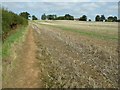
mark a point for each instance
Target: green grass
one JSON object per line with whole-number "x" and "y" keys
{"x": 15, "y": 37}
{"x": 87, "y": 33}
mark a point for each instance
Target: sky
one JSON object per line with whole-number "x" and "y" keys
{"x": 76, "y": 8}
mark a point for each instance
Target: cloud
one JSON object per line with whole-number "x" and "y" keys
{"x": 60, "y": 1}
{"x": 60, "y": 8}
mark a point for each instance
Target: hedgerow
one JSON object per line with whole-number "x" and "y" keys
{"x": 10, "y": 21}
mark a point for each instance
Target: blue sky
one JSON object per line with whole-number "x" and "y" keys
{"x": 75, "y": 8}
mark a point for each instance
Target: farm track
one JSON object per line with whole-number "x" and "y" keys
{"x": 24, "y": 71}
{"x": 29, "y": 71}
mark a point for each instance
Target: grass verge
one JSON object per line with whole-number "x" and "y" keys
{"x": 15, "y": 37}
{"x": 9, "y": 64}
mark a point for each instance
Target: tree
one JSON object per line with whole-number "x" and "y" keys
{"x": 110, "y": 19}
{"x": 26, "y": 15}
{"x": 97, "y": 18}
{"x": 50, "y": 17}
{"x": 118, "y": 20}
{"x": 89, "y": 20}
{"x": 115, "y": 19}
{"x": 34, "y": 17}
{"x": 68, "y": 17}
{"x": 43, "y": 17}
{"x": 60, "y": 18}
{"x": 55, "y": 17}
{"x": 83, "y": 18}
{"x": 102, "y": 18}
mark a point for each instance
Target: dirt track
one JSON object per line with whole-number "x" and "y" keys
{"x": 29, "y": 70}
{"x": 25, "y": 74}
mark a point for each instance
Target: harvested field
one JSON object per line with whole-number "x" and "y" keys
{"x": 77, "y": 54}
{"x": 64, "y": 54}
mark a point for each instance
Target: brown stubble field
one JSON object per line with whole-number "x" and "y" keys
{"x": 77, "y": 54}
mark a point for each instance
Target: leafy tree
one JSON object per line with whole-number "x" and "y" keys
{"x": 55, "y": 17}
{"x": 68, "y": 17}
{"x": 43, "y": 17}
{"x": 115, "y": 19}
{"x": 110, "y": 19}
{"x": 26, "y": 15}
{"x": 97, "y": 18}
{"x": 83, "y": 18}
{"x": 89, "y": 20}
{"x": 102, "y": 18}
{"x": 34, "y": 17}
{"x": 60, "y": 18}
{"x": 118, "y": 20}
{"x": 50, "y": 17}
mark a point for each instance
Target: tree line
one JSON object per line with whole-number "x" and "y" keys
{"x": 54, "y": 17}
{"x": 98, "y": 18}
{"x": 108, "y": 19}
{"x": 27, "y": 15}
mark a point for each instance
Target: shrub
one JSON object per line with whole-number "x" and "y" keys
{"x": 10, "y": 21}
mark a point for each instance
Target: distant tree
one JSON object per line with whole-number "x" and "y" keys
{"x": 68, "y": 17}
{"x": 60, "y": 18}
{"x": 105, "y": 20}
{"x": 26, "y": 15}
{"x": 83, "y": 18}
{"x": 102, "y": 18}
{"x": 50, "y": 17}
{"x": 89, "y": 20}
{"x": 43, "y": 17}
{"x": 115, "y": 19}
{"x": 34, "y": 17}
{"x": 55, "y": 17}
{"x": 110, "y": 19}
{"x": 118, "y": 20}
{"x": 97, "y": 18}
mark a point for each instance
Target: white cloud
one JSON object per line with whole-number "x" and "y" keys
{"x": 60, "y": 8}
{"x": 59, "y": 0}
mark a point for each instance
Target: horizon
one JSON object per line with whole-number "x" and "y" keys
{"x": 61, "y": 8}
